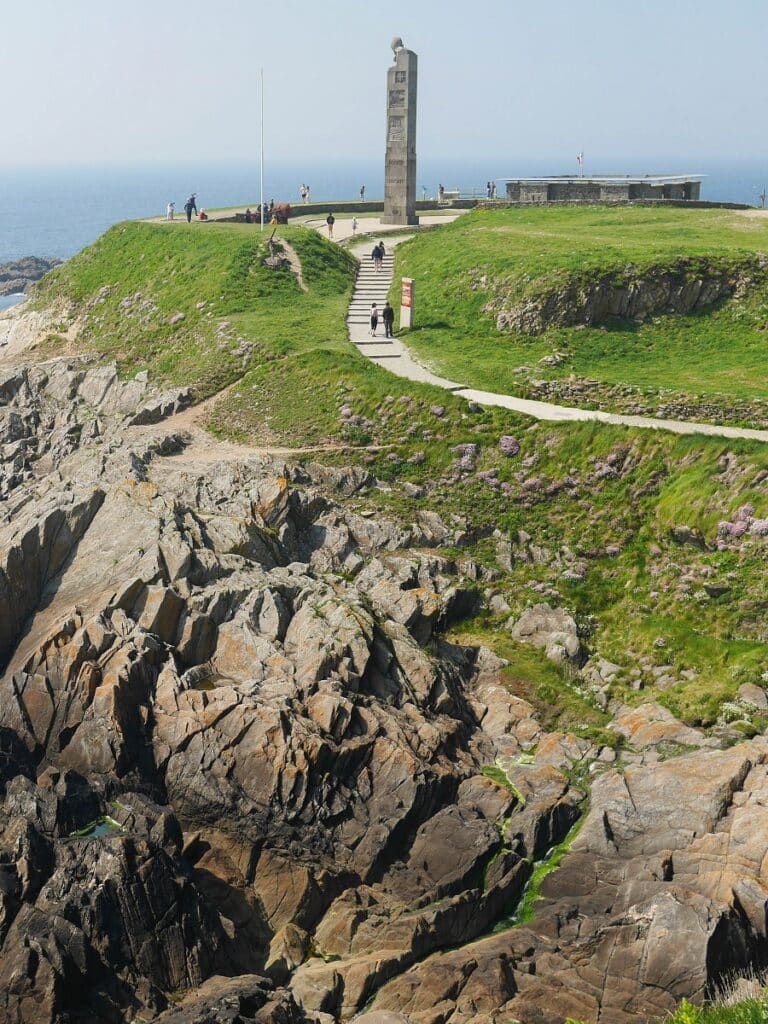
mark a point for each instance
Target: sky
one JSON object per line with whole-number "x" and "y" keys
{"x": 154, "y": 81}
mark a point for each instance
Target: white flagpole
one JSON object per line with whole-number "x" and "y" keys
{"x": 261, "y": 155}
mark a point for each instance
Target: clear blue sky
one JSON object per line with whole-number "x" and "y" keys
{"x": 166, "y": 80}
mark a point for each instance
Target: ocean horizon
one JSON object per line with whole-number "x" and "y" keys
{"x": 57, "y": 211}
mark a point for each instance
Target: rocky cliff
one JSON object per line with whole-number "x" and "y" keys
{"x": 244, "y": 776}
{"x": 15, "y": 277}
{"x": 684, "y": 286}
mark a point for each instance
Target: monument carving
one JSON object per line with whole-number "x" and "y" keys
{"x": 400, "y": 164}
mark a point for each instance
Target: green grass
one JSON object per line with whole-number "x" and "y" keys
{"x": 526, "y": 252}
{"x": 750, "y": 1011}
{"x": 500, "y": 777}
{"x": 212, "y": 274}
{"x": 301, "y": 373}
{"x": 551, "y": 863}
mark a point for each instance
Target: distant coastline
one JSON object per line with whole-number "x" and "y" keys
{"x": 55, "y": 212}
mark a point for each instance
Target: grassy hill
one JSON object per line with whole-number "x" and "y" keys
{"x": 517, "y": 255}
{"x": 601, "y": 506}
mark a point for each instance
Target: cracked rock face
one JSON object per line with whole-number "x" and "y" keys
{"x": 241, "y": 771}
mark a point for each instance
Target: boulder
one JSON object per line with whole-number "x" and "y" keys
{"x": 552, "y": 629}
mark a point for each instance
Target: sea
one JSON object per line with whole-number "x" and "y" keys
{"x": 57, "y": 211}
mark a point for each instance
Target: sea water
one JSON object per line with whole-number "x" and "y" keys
{"x": 55, "y": 212}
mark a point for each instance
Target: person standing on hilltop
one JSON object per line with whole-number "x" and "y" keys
{"x": 330, "y": 220}
{"x": 362, "y": 193}
{"x": 189, "y": 206}
{"x": 170, "y": 210}
{"x": 388, "y": 316}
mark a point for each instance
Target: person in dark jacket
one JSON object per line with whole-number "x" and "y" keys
{"x": 189, "y": 206}
{"x": 388, "y": 316}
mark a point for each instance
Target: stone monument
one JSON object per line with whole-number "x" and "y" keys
{"x": 400, "y": 166}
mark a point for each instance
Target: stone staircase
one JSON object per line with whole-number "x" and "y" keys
{"x": 370, "y": 287}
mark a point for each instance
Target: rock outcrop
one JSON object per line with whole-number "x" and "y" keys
{"x": 637, "y": 294}
{"x": 18, "y": 275}
{"x": 245, "y": 777}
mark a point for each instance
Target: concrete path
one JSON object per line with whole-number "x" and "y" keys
{"x": 394, "y": 356}
{"x": 342, "y": 229}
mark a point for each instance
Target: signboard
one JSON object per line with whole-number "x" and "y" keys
{"x": 406, "y": 303}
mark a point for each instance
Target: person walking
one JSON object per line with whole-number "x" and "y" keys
{"x": 307, "y": 198}
{"x": 330, "y": 220}
{"x": 354, "y": 226}
{"x": 303, "y": 193}
{"x": 190, "y": 205}
{"x": 488, "y": 190}
{"x": 170, "y": 210}
{"x": 388, "y": 316}
{"x": 362, "y": 193}
{"x": 374, "y": 319}
{"x": 375, "y": 256}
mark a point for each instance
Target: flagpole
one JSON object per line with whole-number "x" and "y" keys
{"x": 261, "y": 153}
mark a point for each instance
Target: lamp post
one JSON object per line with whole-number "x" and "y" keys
{"x": 261, "y": 152}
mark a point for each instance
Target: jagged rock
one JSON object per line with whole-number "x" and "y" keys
{"x": 650, "y": 725}
{"x": 639, "y": 916}
{"x": 239, "y": 689}
{"x": 754, "y": 695}
{"x": 160, "y": 407}
{"x": 242, "y": 1000}
{"x": 680, "y": 287}
{"x": 19, "y": 274}
{"x": 553, "y": 629}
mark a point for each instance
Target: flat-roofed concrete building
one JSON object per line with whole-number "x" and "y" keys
{"x": 604, "y": 189}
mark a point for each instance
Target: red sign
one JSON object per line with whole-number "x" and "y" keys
{"x": 407, "y": 299}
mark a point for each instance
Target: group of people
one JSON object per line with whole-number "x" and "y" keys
{"x": 190, "y": 207}
{"x": 254, "y": 216}
{"x": 304, "y": 193}
{"x": 388, "y": 319}
{"x": 387, "y": 313}
{"x": 377, "y": 255}
{"x": 490, "y": 189}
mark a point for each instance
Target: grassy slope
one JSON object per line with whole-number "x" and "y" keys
{"x": 303, "y": 371}
{"x": 722, "y": 351}
{"x": 214, "y": 275}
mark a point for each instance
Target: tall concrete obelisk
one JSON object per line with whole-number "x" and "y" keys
{"x": 400, "y": 166}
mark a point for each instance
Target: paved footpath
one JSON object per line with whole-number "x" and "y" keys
{"x": 394, "y": 356}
